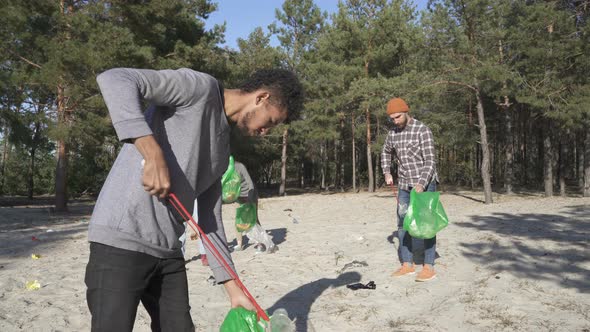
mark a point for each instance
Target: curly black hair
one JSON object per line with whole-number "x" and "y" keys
{"x": 283, "y": 84}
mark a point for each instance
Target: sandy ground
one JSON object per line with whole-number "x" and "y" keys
{"x": 521, "y": 264}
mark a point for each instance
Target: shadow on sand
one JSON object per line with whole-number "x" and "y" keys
{"x": 299, "y": 301}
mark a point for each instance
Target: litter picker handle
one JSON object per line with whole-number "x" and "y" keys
{"x": 193, "y": 224}
{"x": 394, "y": 191}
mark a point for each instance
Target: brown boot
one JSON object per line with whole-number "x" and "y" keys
{"x": 406, "y": 269}
{"x": 426, "y": 274}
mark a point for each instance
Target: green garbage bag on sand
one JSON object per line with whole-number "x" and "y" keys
{"x": 242, "y": 320}
{"x": 246, "y": 216}
{"x": 231, "y": 183}
{"x": 425, "y": 216}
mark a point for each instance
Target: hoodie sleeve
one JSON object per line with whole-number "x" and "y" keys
{"x": 124, "y": 90}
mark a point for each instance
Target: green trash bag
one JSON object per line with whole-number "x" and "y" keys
{"x": 242, "y": 320}
{"x": 425, "y": 216}
{"x": 231, "y": 183}
{"x": 246, "y": 216}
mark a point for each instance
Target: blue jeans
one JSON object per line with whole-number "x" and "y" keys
{"x": 405, "y": 239}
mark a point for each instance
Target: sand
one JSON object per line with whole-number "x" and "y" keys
{"x": 520, "y": 264}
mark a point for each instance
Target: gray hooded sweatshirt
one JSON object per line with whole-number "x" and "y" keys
{"x": 186, "y": 117}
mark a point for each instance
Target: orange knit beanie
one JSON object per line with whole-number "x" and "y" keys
{"x": 397, "y": 105}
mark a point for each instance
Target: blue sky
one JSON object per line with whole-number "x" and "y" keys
{"x": 243, "y": 16}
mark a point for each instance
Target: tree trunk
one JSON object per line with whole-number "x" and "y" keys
{"x": 494, "y": 173}
{"x": 369, "y": 152}
{"x": 377, "y": 173}
{"x": 35, "y": 143}
{"x": 377, "y": 158}
{"x": 284, "y": 163}
{"x": 342, "y": 166}
{"x": 580, "y": 159}
{"x": 472, "y": 160}
{"x": 323, "y": 165}
{"x": 540, "y": 150}
{"x": 509, "y": 153}
{"x": 555, "y": 161}
{"x": 4, "y": 160}
{"x": 563, "y": 156}
{"x": 525, "y": 159}
{"x": 312, "y": 181}
{"x": 336, "y": 179}
{"x": 302, "y": 179}
{"x": 587, "y": 164}
{"x": 61, "y": 195}
{"x": 31, "y": 184}
{"x": 341, "y": 180}
{"x": 338, "y": 145}
{"x": 478, "y": 157}
{"x": 548, "y": 161}
{"x": 353, "y": 158}
{"x": 61, "y": 171}
{"x": 485, "y": 149}
{"x": 298, "y": 174}
{"x": 509, "y": 163}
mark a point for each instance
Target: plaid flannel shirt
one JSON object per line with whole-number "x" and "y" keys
{"x": 413, "y": 149}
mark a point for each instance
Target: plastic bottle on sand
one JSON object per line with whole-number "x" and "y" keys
{"x": 280, "y": 322}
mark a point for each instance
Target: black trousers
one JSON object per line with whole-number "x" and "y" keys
{"x": 117, "y": 280}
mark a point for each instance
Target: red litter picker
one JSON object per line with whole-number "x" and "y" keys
{"x": 208, "y": 244}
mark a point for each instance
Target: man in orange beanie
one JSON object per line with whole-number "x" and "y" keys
{"x": 412, "y": 144}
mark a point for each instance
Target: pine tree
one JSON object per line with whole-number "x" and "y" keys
{"x": 466, "y": 38}
{"x": 299, "y": 22}
{"x": 65, "y": 44}
{"x": 367, "y": 39}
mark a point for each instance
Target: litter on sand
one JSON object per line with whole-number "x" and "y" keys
{"x": 211, "y": 280}
{"x": 35, "y": 256}
{"x": 33, "y": 285}
{"x": 354, "y": 263}
{"x": 370, "y": 285}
